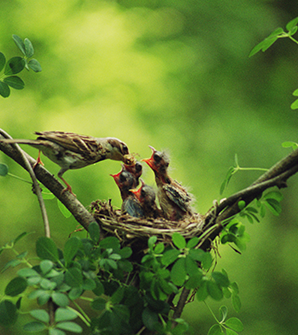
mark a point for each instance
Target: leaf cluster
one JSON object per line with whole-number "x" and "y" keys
{"x": 234, "y": 230}
{"x": 127, "y": 296}
{"x": 15, "y": 65}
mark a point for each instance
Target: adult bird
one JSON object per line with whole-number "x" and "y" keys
{"x": 130, "y": 203}
{"x": 174, "y": 200}
{"x": 74, "y": 151}
{"x": 146, "y": 196}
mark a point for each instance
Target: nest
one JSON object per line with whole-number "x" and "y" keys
{"x": 129, "y": 229}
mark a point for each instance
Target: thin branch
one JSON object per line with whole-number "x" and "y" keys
{"x": 275, "y": 176}
{"x": 35, "y": 184}
{"x": 47, "y": 179}
{"x": 180, "y": 305}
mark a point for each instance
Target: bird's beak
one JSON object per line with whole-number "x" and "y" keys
{"x": 136, "y": 192}
{"x": 150, "y": 160}
{"x": 116, "y": 177}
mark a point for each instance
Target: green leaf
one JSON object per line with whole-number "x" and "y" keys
{"x": 294, "y": 105}
{"x": 292, "y": 24}
{"x": 89, "y": 284}
{"x": 16, "y": 286}
{"x": 69, "y": 326}
{"x": 71, "y": 248}
{"x": 274, "y": 195}
{"x": 20, "y": 44}
{"x": 230, "y": 332}
{"x": 150, "y": 318}
{"x": 293, "y": 31}
{"x": 159, "y": 248}
{"x": 14, "y": 82}
{"x": 98, "y": 304}
{"x": 201, "y": 256}
{"x": 73, "y": 277}
{"x": 94, "y": 232}
{"x": 295, "y": 93}
{"x": 235, "y": 324}
{"x": 223, "y": 311}
{"x": 66, "y": 213}
{"x": 63, "y": 314}
{"x": 274, "y": 206}
{"x": 4, "y": 89}
{"x": 14, "y": 65}
{"x": 3, "y": 170}
{"x": 170, "y": 256}
{"x": 34, "y": 326}
{"x": 75, "y": 292}
{"x": 191, "y": 266}
{"x": 289, "y": 144}
{"x": 236, "y": 302}
{"x": 192, "y": 242}
{"x": 2, "y": 61}
{"x": 178, "y": 272}
{"x": 34, "y": 65}
{"x": 117, "y": 295}
{"x": 46, "y": 266}
{"x": 46, "y": 249}
{"x": 28, "y": 48}
{"x": 215, "y": 330}
{"x": 125, "y": 252}
{"x": 179, "y": 241}
{"x": 40, "y": 315}
{"x": 151, "y": 242}
{"x": 227, "y": 179}
{"x": 8, "y": 313}
{"x": 55, "y": 331}
{"x": 99, "y": 290}
{"x": 60, "y": 299}
{"x": 267, "y": 42}
{"x": 110, "y": 242}
{"x": 214, "y": 290}
{"x": 27, "y": 272}
{"x": 220, "y": 279}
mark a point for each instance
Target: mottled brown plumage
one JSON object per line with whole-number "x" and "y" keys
{"x": 74, "y": 151}
{"x": 173, "y": 198}
{"x": 146, "y": 196}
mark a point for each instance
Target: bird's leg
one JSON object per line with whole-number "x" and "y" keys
{"x": 68, "y": 187}
{"x": 38, "y": 161}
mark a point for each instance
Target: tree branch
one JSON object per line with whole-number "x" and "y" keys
{"x": 46, "y": 178}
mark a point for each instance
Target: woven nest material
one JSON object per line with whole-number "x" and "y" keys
{"x": 127, "y": 228}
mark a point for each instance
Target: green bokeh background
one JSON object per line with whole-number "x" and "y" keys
{"x": 175, "y": 75}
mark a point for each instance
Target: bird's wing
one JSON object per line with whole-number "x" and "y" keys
{"x": 179, "y": 196}
{"x": 81, "y": 144}
{"x": 133, "y": 208}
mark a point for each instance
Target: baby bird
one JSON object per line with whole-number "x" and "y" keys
{"x": 136, "y": 171}
{"x": 74, "y": 151}
{"x": 130, "y": 204}
{"x": 173, "y": 198}
{"x": 146, "y": 196}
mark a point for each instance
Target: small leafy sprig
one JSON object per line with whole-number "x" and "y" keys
{"x": 292, "y": 28}
{"x": 15, "y": 65}
{"x": 233, "y": 169}
{"x": 225, "y": 326}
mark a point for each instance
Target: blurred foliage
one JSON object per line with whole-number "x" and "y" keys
{"x": 175, "y": 75}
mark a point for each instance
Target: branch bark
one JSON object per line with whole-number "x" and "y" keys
{"x": 47, "y": 179}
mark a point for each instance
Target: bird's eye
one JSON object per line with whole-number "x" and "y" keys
{"x": 157, "y": 158}
{"x": 138, "y": 167}
{"x": 124, "y": 149}
{"x": 123, "y": 176}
